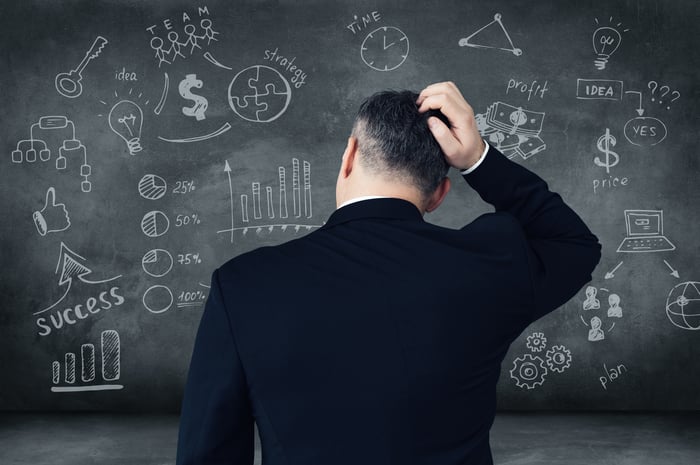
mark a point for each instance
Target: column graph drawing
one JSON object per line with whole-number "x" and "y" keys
{"x": 270, "y": 205}
{"x": 110, "y": 367}
{"x": 263, "y": 216}
{"x": 296, "y": 190}
{"x": 307, "y": 189}
{"x": 283, "y": 193}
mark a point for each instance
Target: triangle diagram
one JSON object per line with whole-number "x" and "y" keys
{"x": 493, "y": 35}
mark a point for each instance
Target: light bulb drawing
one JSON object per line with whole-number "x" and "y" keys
{"x": 126, "y": 120}
{"x": 606, "y": 40}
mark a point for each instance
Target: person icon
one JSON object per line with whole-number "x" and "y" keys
{"x": 614, "y": 311}
{"x": 174, "y": 44}
{"x": 209, "y": 33}
{"x": 591, "y": 302}
{"x": 192, "y": 38}
{"x": 596, "y": 333}
{"x": 157, "y": 45}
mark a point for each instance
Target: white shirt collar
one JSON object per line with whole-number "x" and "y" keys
{"x": 364, "y": 197}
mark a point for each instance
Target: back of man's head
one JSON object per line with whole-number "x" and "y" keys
{"x": 394, "y": 140}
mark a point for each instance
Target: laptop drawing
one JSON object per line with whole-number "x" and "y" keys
{"x": 645, "y": 232}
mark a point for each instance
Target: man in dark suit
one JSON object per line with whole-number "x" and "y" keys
{"x": 378, "y": 338}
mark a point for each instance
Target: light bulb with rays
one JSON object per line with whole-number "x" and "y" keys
{"x": 125, "y": 120}
{"x": 606, "y": 40}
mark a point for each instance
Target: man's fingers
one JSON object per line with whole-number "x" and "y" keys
{"x": 448, "y": 142}
{"x": 447, "y": 87}
{"x": 458, "y": 113}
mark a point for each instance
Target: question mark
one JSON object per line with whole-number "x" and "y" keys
{"x": 674, "y": 99}
{"x": 656, "y": 84}
{"x": 665, "y": 93}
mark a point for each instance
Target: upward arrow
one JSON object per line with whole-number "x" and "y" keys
{"x": 71, "y": 266}
{"x": 227, "y": 169}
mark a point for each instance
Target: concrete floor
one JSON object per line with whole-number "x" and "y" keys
{"x": 516, "y": 439}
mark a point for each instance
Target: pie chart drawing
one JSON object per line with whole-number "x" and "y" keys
{"x": 152, "y": 187}
{"x": 157, "y": 262}
{"x": 155, "y": 223}
{"x": 158, "y": 298}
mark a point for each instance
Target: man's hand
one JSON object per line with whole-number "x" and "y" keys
{"x": 462, "y": 144}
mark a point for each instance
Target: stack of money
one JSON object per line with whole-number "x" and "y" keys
{"x": 512, "y": 130}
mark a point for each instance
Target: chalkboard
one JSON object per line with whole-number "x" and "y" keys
{"x": 147, "y": 142}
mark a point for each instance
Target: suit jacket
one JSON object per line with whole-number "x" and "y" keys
{"x": 378, "y": 338}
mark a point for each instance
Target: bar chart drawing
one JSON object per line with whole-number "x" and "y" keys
{"x": 110, "y": 367}
{"x": 262, "y": 210}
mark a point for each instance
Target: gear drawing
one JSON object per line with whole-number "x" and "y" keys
{"x": 536, "y": 342}
{"x": 558, "y": 358}
{"x": 528, "y": 371}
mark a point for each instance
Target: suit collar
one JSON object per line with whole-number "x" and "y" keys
{"x": 389, "y": 208}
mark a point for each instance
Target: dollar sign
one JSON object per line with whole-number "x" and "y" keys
{"x": 604, "y": 143}
{"x": 200, "y": 104}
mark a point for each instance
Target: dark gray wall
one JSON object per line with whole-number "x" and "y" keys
{"x": 647, "y": 356}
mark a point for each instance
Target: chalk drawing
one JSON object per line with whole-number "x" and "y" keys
{"x": 594, "y": 323}
{"x": 530, "y": 371}
{"x": 536, "y": 342}
{"x": 385, "y": 48}
{"x": 53, "y": 217}
{"x": 71, "y": 147}
{"x": 225, "y": 127}
{"x": 683, "y": 305}
{"x": 110, "y": 354}
{"x": 157, "y": 298}
{"x": 599, "y": 89}
{"x": 69, "y": 84}
{"x": 157, "y": 262}
{"x": 653, "y": 86}
{"x": 645, "y": 232}
{"x": 604, "y": 144}
{"x": 208, "y": 56}
{"x": 674, "y": 272}
{"x": 611, "y": 374}
{"x": 152, "y": 187}
{"x": 301, "y": 204}
{"x": 475, "y": 39}
{"x": 259, "y": 94}
{"x": 645, "y": 131}
{"x": 157, "y": 45}
{"x": 512, "y": 130}
{"x": 155, "y": 223}
{"x": 163, "y": 95}
{"x": 192, "y": 298}
{"x": 71, "y": 267}
{"x": 606, "y": 40}
{"x": 614, "y": 309}
{"x": 193, "y": 39}
{"x": 591, "y": 302}
{"x": 200, "y": 104}
{"x": 558, "y": 358}
{"x": 126, "y": 121}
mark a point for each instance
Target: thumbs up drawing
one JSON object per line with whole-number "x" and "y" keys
{"x": 53, "y": 217}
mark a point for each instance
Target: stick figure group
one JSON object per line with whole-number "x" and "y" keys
{"x": 170, "y": 55}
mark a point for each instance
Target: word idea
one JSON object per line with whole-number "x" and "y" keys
{"x": 124, "y": 75}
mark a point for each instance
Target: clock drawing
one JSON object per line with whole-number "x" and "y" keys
{"x": 385, "y": 48}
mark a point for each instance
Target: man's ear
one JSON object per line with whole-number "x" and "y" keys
{"x": 349, "y": 157}
{"x": 439, "y": 194}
